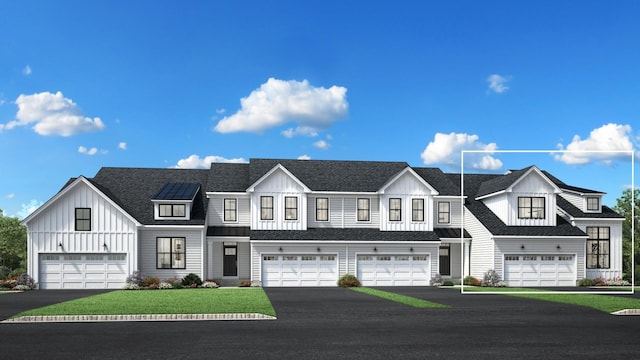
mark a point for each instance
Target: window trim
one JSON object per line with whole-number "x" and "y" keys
{"x": 287, "y": 208}
{"x": 230, "y": 211}
{"x": 171, "y": 252}
{"x": 362, "y": 210}
{"x": 532, "y": 209}
{"x": 78, "y": 219}
{"x": 173, "y": 210}
{"x": 417, "y": 211}
{"x": 597, "y": 199}
{"x": 324, "y": 211}
{"x": 397, "y": 212}
{"x": 264, "y": 207}
{"x": 448, "y": 212}
{"x": 599, "y": 241}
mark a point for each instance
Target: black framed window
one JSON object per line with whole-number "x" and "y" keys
{"x": 598, "y": 247}
{"x": 230, "y": 210}
{"x": 395, "y": 209}
{"x": 322, "y": 209}
{"x": 531, "y": 208}
{"x": 444, "y": 212}
{"x": 417, "y": 209}
{"x": 171, "y": 210}
{"x": 170, "y": 253}
{"x": 363, "y": 209}
{"x": 593, "y": 204}
{"x": 290, "y": 208}
{"x": 83, "y": 219}
{"x": 266, "y": 207}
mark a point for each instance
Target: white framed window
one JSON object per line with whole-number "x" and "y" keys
{"x": 531, "y": 207}
{"x": 395, "y": 209}
{"x": 290, "y": 208}
{"x": 172, "y": 210}
{"x": 170, "y": 253}
{"x": 230, "y": 210}
{"x": 417, "y": 210}
{"x": 593, "y": 203}
{"x": 364, "y": 209}
{"x": 444, "y": 212}
{"x": 322, "y": 209}
{"x": 266, "y": 207}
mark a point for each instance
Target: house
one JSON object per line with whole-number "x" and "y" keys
{"x": 307, "y": 222}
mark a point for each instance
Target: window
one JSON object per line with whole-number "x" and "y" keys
{"x": 266, "y": 207}
{"x": 270, "y": 258}
{"x": 444, "y": 213}
{"x": 322, "y": 209}
{"x": 172, "y": 210}
{"x": 290, "y": 208}
{"x": 511, "y": 258}
{"x": 593, "y": 204}
{"x": 83, "y": 219}
{"x": 363, "y": 209}
{"x": 530, "y": 208}
{"x": 395, "y": 209}
{"x": 170, "y": 253}
{"x": 230, "y": 210}
{"x": 598, "y": 247}
{"x": 417, "y": 209}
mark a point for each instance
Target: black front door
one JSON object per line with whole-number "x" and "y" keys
{"x": 230, "y": 261}
{"x": 445, "y": 260}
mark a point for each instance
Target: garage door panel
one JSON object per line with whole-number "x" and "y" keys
{"x": 393, "y": 270}
{"x": 82, "y": 271}
{"x": 539, "y": 270}
{"x": 299, "y": 270}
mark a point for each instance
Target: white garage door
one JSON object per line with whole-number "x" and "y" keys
{"x": 299, "y": 270}
{"x": 539, "y": 270}
{"x": 393, "y": 270}
{"x": 82, "y": 271}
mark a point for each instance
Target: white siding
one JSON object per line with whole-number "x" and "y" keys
{"x": 615, "y": 248}
{"x": 406, "y": 188}
{"x": 456, "y": 260}
{"x": 279, "y": 185}
{"x": 351, "y": 211}
{"x": 455, "y": 213}
{"x": 575, "y": 200}
{"x": 215, "y": 213}
{"x": 481, "y": 256}
{"x": 336, "y": 212}
{"x": 193, "y": 252}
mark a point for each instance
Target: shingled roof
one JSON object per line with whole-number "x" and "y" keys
{"x": 351, "y": 234}
{"x": 573, "y": 211}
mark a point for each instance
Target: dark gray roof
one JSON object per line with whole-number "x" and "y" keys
{"x": 607, "y": 212}
{"x": 564, "y": 186}
{"x": 133, "y": 188}
{"x": 499, "y": 182}
{"x": 451, "y": 233}
{"x": 230, "y": 231}
{"x": 228, "y": 177}
{"x": 177, "y": 191}
{"x": 436, "y": 178}
{"x": 351, "y": 234}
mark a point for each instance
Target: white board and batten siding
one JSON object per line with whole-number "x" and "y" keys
{"x": 52, "y": 230}
{"x": 279, "y": 185}
{"x": 406, "y": 188}
{"x": 615, "y": 247}
{"x": 193, "y": 252}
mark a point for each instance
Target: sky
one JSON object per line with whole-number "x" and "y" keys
{"x": 472, "y": 86}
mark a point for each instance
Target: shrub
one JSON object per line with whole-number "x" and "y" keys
{"x": 136, "y": 278}
{"x": 447, "y": 283}
{"x": 26, "y": 280}
{"x": 599, "y": 281}
{"x": 492, "y": 279}
{"x": 191, "y": 280}
{"x": 348, "y": 280}
{"x": 163, "y": 285}
{"x": 210, "y": 285}
{"x": 436, "y": 280}
{"x": 21, "y": 288}
{"x": 245, "y": 283}
{"x": 131, "y": 286}
{"x": 151, "y": 282}
{"x": 471, "y": 281}
{"x": 585, "y": 282}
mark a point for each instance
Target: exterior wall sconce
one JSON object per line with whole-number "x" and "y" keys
{"x": 60, "y": 246}
{"x": 411, "y": 249}
{"x": 375, "y": 249}
{"x": 105, "y": 246}
{"x": 280, "y": 249}
{"x": 522, "y": 247}
{"x": 558, "y": 247}
{"x": 318, "y": 249}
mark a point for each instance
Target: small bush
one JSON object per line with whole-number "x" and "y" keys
{"x": 136, "y": 278}
{"x": 191, "y": 280}
{"x": 245, "y": 283}
{"x": 436, "y": 280}
{"x": 585, "y": 282}
{"x": 447, "y": 283}
{"x": 163, "y": 285}
{"x": 492, "y": 279}
{"x": 21, "y": 288}
{"x": 210, "y": 285}
{"x": 151, "y": 282}
{"x": 348, "y": 280}
{"x": 26, "y": 280}
{"x": 131, "y": 286}
{"x": 471, "y": 281}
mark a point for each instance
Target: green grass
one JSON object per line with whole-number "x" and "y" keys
{"x": 606, "y": 303}
{"x": 403, "y": 299}
{"x": 183, "y": 301}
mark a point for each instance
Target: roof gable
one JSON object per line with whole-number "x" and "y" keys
{"x": 272, "y": 172}
{"x": 506, "y": 183}
{"x": 408, "y": 171}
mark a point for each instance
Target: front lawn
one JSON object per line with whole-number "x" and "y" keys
{"x": 606, "y": 303}
{"x": 183, "y": 301}
{"x": 403, "y": 299}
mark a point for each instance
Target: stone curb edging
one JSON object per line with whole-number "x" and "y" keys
{"x": 141, "y": 317}
{"x": 627, "y": 312}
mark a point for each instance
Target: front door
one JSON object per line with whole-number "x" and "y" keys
{"x": 445, "y": 260}
{"x": 230, "y": 262}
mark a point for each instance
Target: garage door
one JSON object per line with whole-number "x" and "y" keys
{"x": 539, "y": 270}
{"x": 393, "y": 270}
{"x": 299, "y": 270}
{"x": 82, "y": 271}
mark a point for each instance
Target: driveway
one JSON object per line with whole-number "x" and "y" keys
{"x": 16, "y": 302}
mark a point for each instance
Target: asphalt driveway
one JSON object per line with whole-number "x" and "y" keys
{"x": 16, "y": 302}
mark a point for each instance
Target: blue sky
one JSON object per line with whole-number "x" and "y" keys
{"x": 86, "y": 84}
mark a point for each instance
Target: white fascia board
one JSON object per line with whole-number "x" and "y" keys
{"x": 408, "y": 169}
{"x": 63, "y": 192}
{"x": 490, "y": 195}
{"x": 455, "y": 197}
{"x": 598, "y": 219}
{"x": 275, "y": 168}
{"x": 344, "y": 193}
{"x": 262, "y": 242}
{"x": 211, "y": 194}
{"x": 496, "y": 237}
{"x": 183, "y": 201}
{"x": 173, "y": 227}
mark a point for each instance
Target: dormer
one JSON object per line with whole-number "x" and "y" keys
{"x": 174, "y": 201}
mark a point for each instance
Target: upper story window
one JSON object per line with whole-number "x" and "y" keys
{"x": 322, "y": 209}
{"x": 395, "y": 209}
{"x": 417, "y": 209}
{"x": 230, "y": 210}
{"x": 444, "y": 212}
{"x": 83, "y": 219}
{"x": 593, "y": 203}
{"x": 172, "y": 210}
{"x": 363, "y": 209}
{"x": 598, "y": 247}
{"x": 290, "y": 208}
{"x": 266, "y": 207}
{"x": 170, "y": 253}
{"x": 530, "y": 207}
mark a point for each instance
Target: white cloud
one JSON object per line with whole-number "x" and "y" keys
{"x": 52, "y": 114}
{"x": 11, "y": 196}
{"x": 84, "y": 150}
{"x": 498, "y": 83}
{"x": 122, "y": 146}
{"x": 27, "y": 209}
{"x": 445, "y": 149}
{"x": 321, "y": 144}
{"x": 27, "y": 70}
{"x": 601, "y": 145}
{"x": 195, "y": 162}
{"x": 277, "y": 102}
{"x": 221, "y": 111}
{"x": 304, "y": 157}
{"x": 300, "y": 130}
